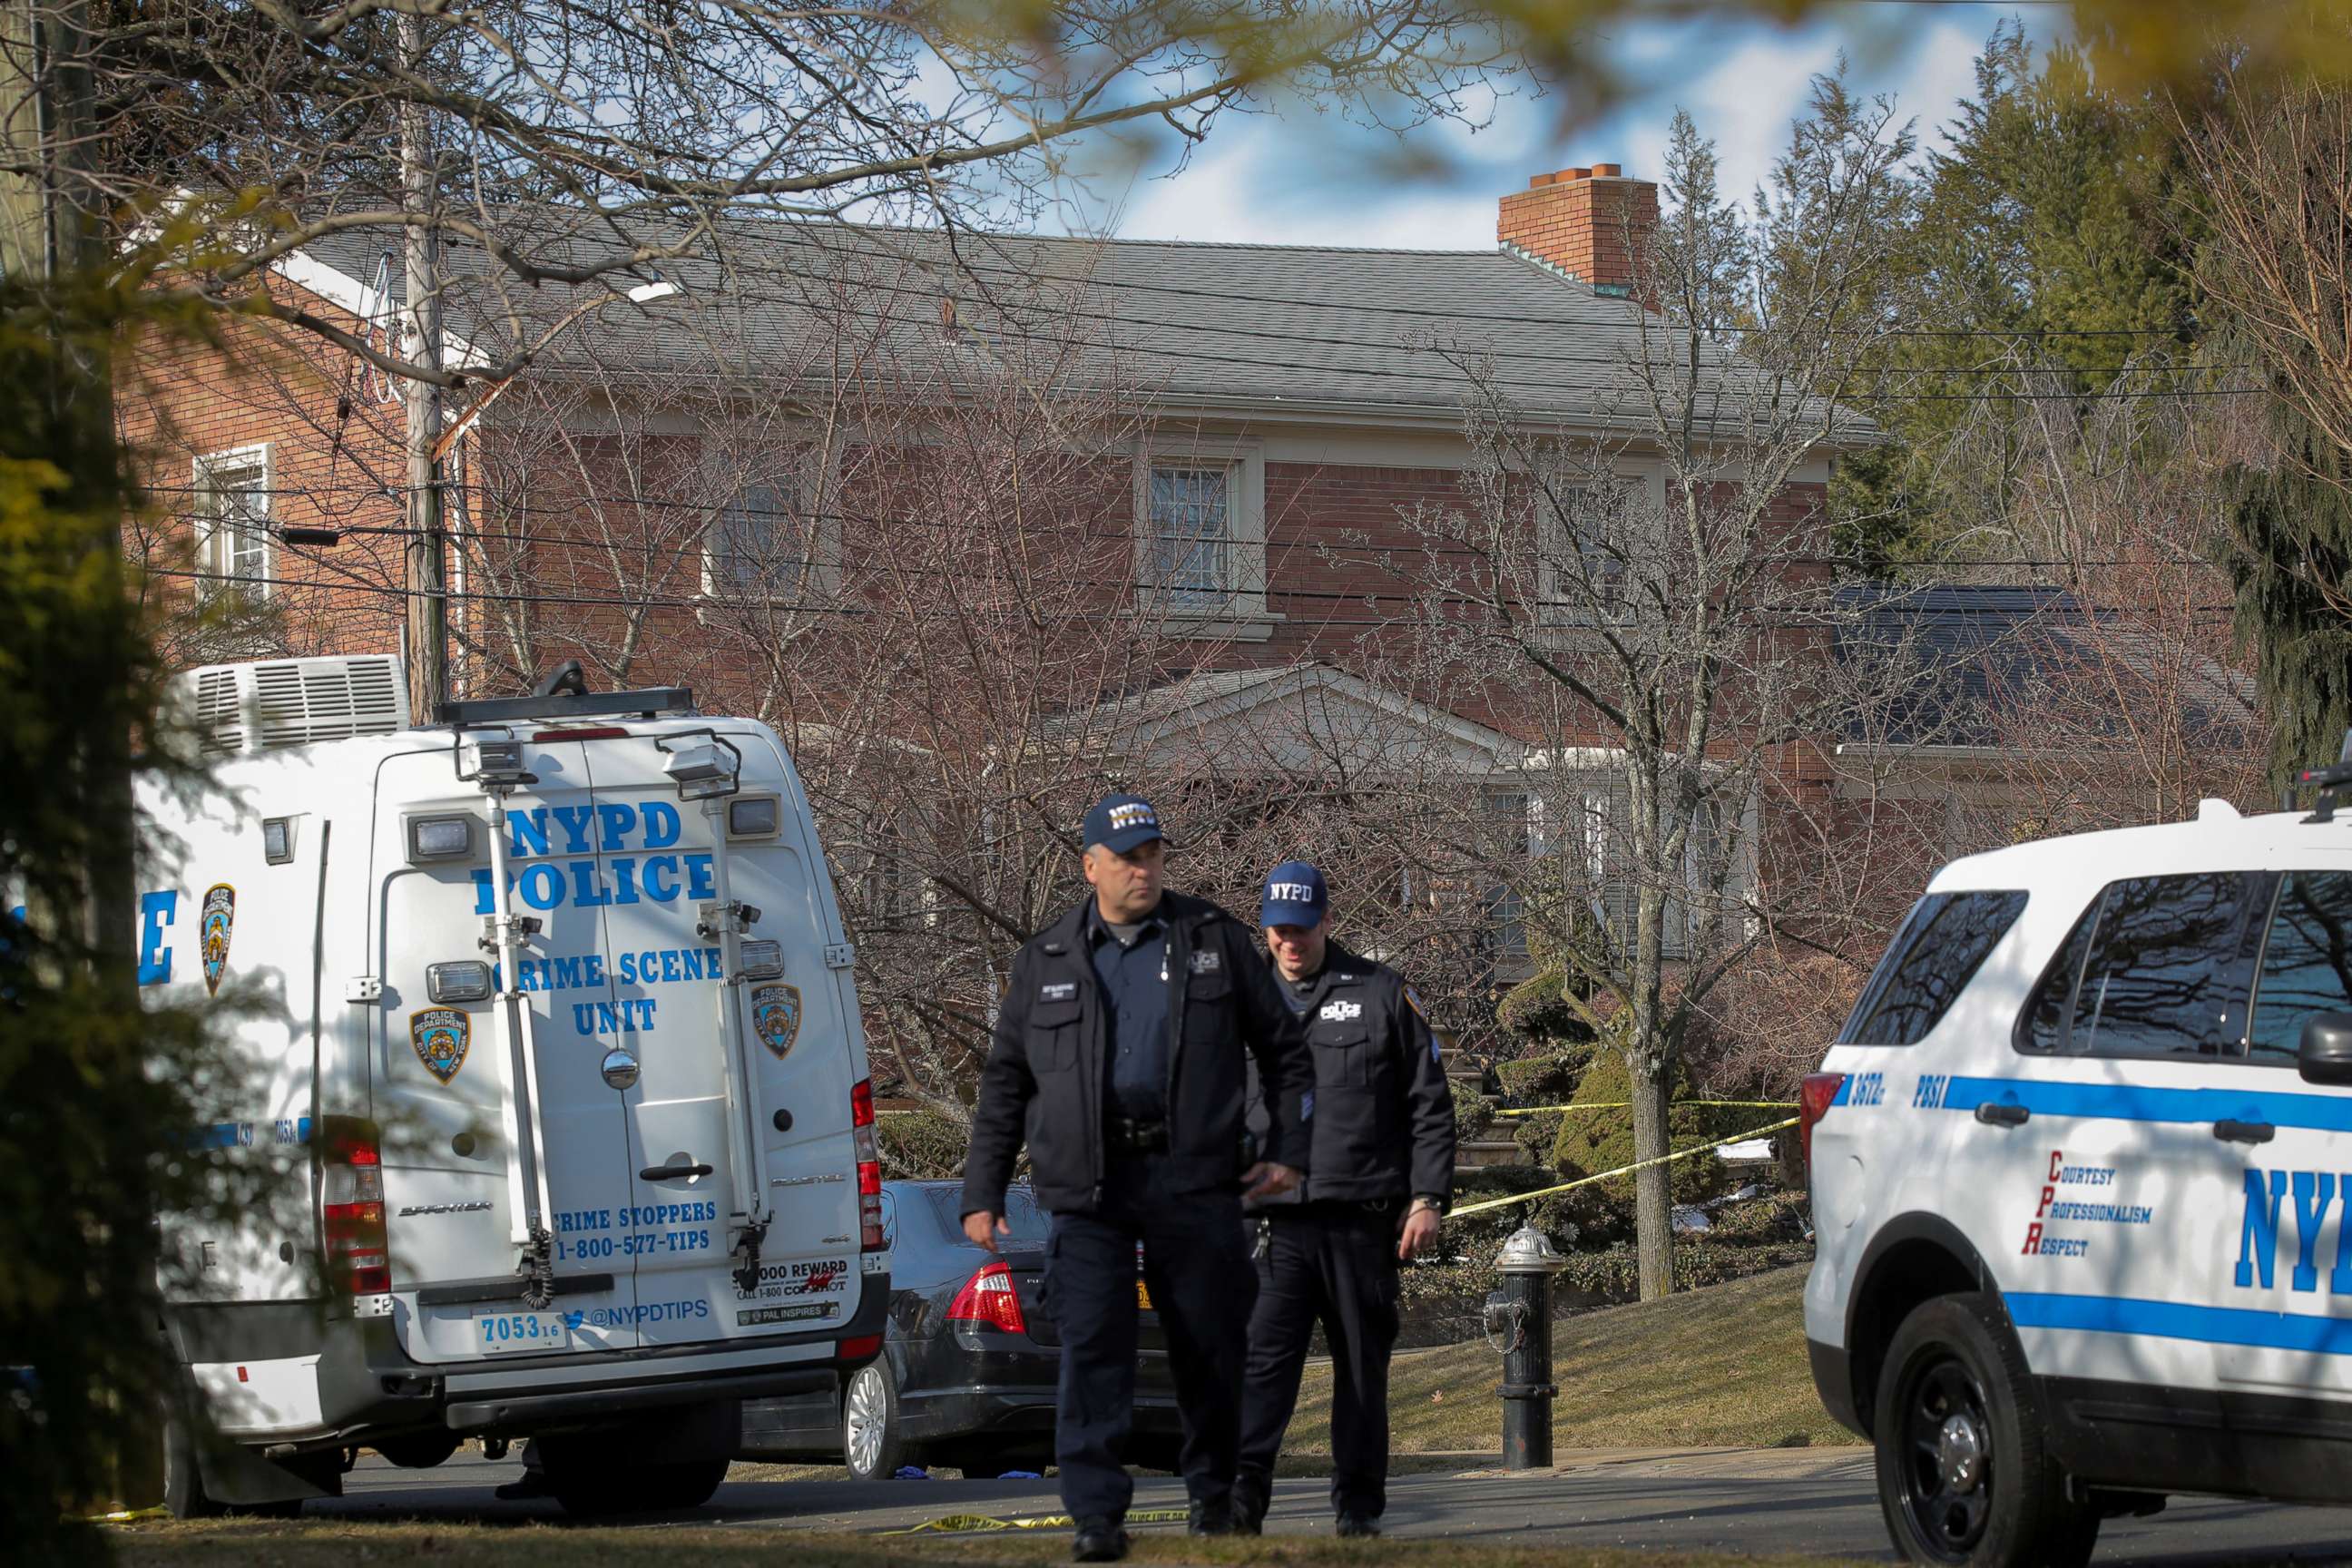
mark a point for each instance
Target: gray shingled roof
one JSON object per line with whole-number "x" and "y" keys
{"x": 1250, "y": 325}
{"x": 1974, "y": 658}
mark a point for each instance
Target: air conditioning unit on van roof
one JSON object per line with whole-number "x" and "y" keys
{"x": 293, "y": 701}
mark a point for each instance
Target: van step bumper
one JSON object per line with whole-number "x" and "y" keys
{"x": 521, "y": 1410}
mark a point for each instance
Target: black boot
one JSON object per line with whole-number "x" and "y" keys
{"x": 1099, "y": 1541}
{"x": 1210, "y": 1517}
{"x": 1358, "y": 1525}
{"x": 1250, "y": 1503}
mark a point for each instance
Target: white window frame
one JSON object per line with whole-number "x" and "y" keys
{"x": 806, "y": 473}
{"x": 1239, "y": 611}
{"x": 215, "y": 534}
{"x": 1644, "y": 481}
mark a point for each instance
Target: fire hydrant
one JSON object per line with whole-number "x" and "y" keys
{"x": 1518, "y": 1324}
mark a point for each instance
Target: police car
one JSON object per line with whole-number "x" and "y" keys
{"x": 2080, "y": 1161}
{"x": 555, "y": 1105}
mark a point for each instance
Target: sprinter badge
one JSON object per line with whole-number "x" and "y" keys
{"x": 440, "y": 1036}
{"x": 776, "y": 1015}
{"x": 219, "y": 920}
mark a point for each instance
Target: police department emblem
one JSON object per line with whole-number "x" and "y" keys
{"x": 440, "y": 1036}
{"x": 219, "y": 918}
{"x": 776, "y": 1015}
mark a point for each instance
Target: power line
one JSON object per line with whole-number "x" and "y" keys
{"x": 695, "y": 541}
{"x": 1787, "y": 619}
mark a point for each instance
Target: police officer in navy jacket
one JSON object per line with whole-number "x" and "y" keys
{"x": 1380, "y": 1170}
{"x": 1120, "y": 1054}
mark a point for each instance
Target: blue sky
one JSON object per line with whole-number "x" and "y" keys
{"x": 1306, "y": 179}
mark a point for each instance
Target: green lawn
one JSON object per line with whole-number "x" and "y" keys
{"x": 1724, "y": 1365}
{"x": 333, "y": 1544}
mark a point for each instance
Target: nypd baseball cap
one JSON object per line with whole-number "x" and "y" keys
{"x": 1295, "y": 896}
{"x": 1120, "y": 822}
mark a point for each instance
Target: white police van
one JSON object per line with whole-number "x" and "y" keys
{"x": 2080, "y": 1160}
{"x": 556, "y": 1092}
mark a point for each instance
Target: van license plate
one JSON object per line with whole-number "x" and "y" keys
{"x": 495, "y": 1331}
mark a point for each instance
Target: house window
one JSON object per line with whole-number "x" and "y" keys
{"x": 760, "y": 546}
{"x": 1191, "y": 520}
{"x": 233, "y": 519}
{"x": 1583, "y": 554}
{"x": 1201, "y": 537}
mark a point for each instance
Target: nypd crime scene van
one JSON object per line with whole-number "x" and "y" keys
{"x": 2080, "y": 1163}
{"x": 557, "y": 1089}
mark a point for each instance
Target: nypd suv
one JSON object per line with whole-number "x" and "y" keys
{"x": 2081, "y": 1160}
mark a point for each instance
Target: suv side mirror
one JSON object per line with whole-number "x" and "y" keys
{"x": 2323, "y": 1053}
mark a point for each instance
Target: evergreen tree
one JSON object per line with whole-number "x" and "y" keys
{"x": 2041, "y": 257}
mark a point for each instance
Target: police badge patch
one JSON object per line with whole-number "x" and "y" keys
{"x": 776, "y": 1016}
{"x": 218, "y": 920}
{"x": 440, "y": 1036}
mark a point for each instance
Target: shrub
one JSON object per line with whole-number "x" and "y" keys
{"x": 919, "y": 1143}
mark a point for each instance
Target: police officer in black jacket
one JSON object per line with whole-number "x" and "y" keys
{"x": 1119, "y": 1052}
{"x": 1380, "y": 1169}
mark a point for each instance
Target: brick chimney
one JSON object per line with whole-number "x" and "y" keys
{"x": 1586, "y": 222}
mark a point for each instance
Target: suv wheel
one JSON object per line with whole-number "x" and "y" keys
{"x": 873, "y": 1444}
{"x": 1964, "y": 1474}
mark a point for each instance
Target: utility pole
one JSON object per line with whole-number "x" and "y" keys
{"x": 425, "y": 557}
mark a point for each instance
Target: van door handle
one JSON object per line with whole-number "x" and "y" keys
{"x": 2000, "y": 1114}
{"x": 671, "y": 1172}
{"x": 2230, "y": 1132}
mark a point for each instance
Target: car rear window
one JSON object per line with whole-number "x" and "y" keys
{"x": 2306, "y": 962}
{"x": 1930, "y": 961}
{"x": 1031, "y": 1225}
{"x": 2159, "y": 966}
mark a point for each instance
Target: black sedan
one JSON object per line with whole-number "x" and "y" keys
{"x": 967, "y": 1371}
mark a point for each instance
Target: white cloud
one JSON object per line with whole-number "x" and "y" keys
{"x": 1312, "y": 179}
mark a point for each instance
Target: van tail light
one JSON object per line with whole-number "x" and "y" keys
{"x": 351, "y": 1214}
{"x": 862, "y": 1347}
{"x": 987, "y": 1297}
{"x": 1819, "y": 1091}
{"x": 869, "y": 1166}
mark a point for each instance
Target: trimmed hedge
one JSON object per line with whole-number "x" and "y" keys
{"x": 921, "y": 1143}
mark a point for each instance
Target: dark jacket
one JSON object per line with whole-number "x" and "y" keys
{"x": 1383, "y": 1120}
{"x": 1046, "y": 1072}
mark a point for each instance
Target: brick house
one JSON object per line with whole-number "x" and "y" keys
{"x": 687, "y": 487}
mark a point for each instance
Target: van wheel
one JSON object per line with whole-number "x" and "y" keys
{"x": 873, "y": 1441}
{"x": 592, "y": 1491}
{"x": 1964, "y": 1474}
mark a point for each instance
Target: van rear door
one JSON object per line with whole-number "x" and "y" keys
{"x": 709, "y": 1152}
{"x": 441, "y": 1071}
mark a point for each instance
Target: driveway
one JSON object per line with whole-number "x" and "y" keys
{"x": 1817, "y": 1500}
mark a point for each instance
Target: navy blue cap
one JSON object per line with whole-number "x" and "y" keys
{"x": 1120, "y": 822}
{"x": 1295, "y": 896}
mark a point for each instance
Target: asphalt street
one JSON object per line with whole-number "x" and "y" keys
{"x": 1810, "y": 1501}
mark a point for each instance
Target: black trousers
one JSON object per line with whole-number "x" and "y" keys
{"x": 1197, "y": 1266}
{"x": 1335, "y": 1263}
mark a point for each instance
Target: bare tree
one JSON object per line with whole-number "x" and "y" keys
{"x": 1651, "y": 602}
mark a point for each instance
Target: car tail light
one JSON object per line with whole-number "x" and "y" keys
{"x": 869, "y": 1166}
{"x": 1813, "y": 1099}
{"x": 987, "y": 1297}
{"x": 350, "y": 1216}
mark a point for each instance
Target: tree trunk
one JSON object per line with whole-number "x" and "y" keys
{"x": 1653, "y": 1184}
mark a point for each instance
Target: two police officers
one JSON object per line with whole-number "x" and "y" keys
{"x": 1119, "y": 1052}
{"x": 1379, "y": 1172}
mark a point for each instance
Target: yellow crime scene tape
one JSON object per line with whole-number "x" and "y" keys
{"x": 1623, "y": 1104}
{"x": 1636, "y": 1165}
{"x": 967, "y": 1524}
{"x": 127, "y": 1515}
